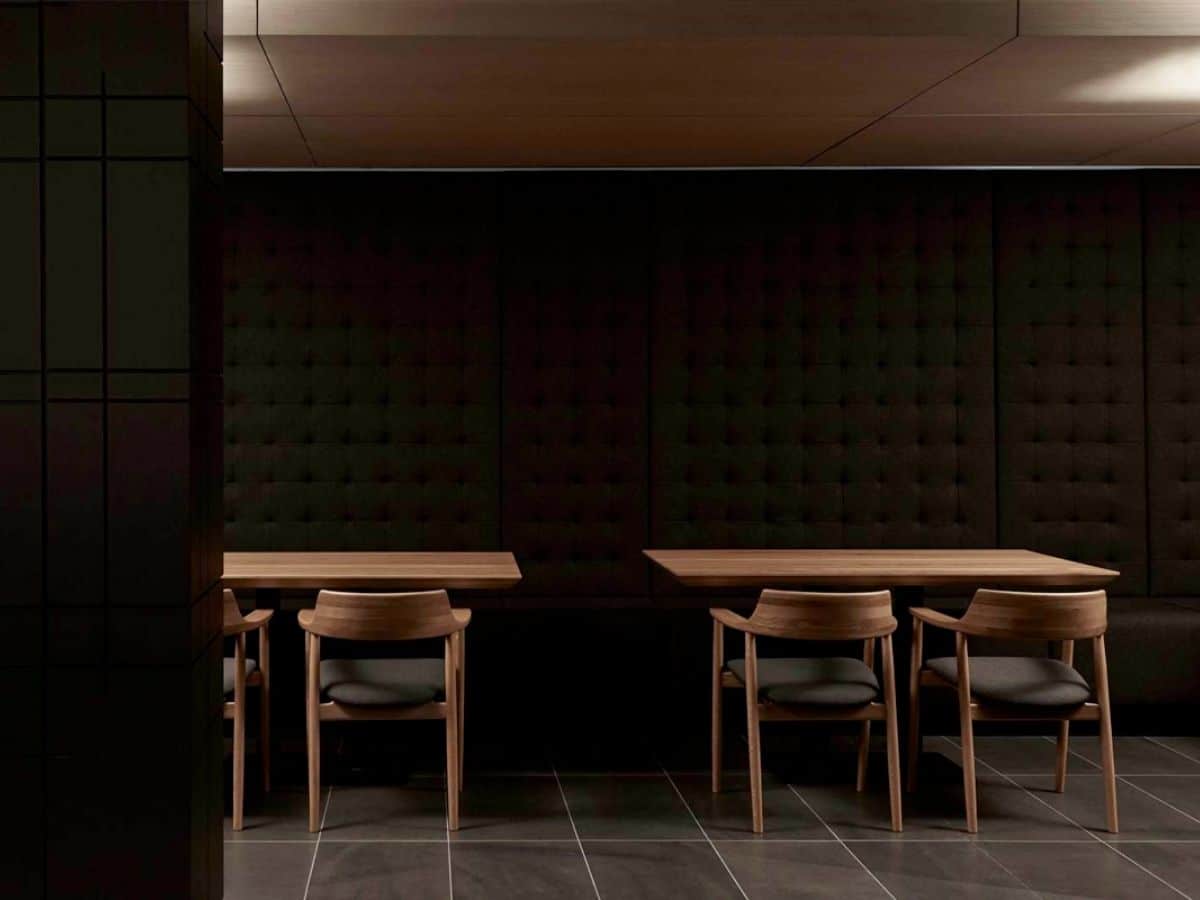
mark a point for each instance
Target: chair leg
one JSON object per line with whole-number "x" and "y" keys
{"x": 461, "y": 680}
{"x": 718, "y": 662}
{"x": 966, "y": 726}
{"x": 864, "y": 734}
{"x": 1107, "y": 757}
{"x": 1064, "y": 731}
{"x": 264, "y": 709}
{"x": 239, "y": 731}
{"x": 893, "y": 735}
{"x": 312, "y": 655}
{"x": 451, "y": 690}
{"x": 752, "y": 734}
{"x": 864, "y": 751}
{"x": 914, "y": 705}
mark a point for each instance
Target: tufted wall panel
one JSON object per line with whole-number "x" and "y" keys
{"x": 1069, "y": 384}
{"x": 1173, "y": 380}
{"x": 574, "y": 397}
{"x": 361, "y": 357}
{"x": 822, "y": 369}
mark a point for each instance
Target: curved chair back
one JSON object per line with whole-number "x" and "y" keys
{"x": 1039, "y": 616}
{"x": 231, "y": 613}
{"x": 384, "y": 617}
{"x": 802, "y": 615}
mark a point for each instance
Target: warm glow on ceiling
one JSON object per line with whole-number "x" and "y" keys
{"x": 1172, "y": 77}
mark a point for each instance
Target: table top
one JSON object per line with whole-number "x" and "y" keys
{"x": 877, "y": 568}
{"x": 371, "y": 570}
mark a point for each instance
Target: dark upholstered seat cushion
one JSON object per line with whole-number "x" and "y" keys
{"x": 1018, "y": 680}
{"x": 834, "y": 681}
{"x": 382, "y": 682}
{"x": 230, "y": 667}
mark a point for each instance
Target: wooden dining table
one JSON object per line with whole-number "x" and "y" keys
{"x": 906, "y": 573}
{"x": 370, "y": 570}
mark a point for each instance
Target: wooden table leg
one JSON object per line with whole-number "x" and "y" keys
{"x": 904, "y": 599}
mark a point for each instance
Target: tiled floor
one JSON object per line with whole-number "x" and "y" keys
{"x": 664, "y": 834}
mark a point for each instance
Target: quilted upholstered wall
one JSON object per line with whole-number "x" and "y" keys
{"x": 576, "y": 366}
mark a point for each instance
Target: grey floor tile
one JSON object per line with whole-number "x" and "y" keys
{"x": 774, "y": 870}
{"x": 281, "y": 815}
{"x": 1078, "y": 870}
{"x": 266, "y": 871}
{"x": 935, "y": 811}
{"x": 1181, "y": 791}
{"x": 727, "y": 815}
{"x": 1142, "y": 817}
{"x": 628, "y": 806}
{"x": 649, "y": 870}
{"x": 412, "y": 811}
{"x": 380, "y": 872}
{"x": 1138, "y": 756}
{"x": 1188, "y": 747}
{"x": 512, "y": 808}
{"x": 923, "y": 870}
{"x": 1018, "y": 755}
{"x": 1177, "y": 864}
{"x": 520, "y": 870}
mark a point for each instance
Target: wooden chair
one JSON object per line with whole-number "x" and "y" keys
{"x": 385, "y": 689}
{"x": 810, "y": 689}
{"x": 238, "y": 674}
{"x": 1018, "y": 688}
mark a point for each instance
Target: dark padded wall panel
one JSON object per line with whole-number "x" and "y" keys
{"x": 361, "y": 338}
{"x": 1070, "y": 389}
{"x": 1173, "y": 380}
{"x": 574, "y": 288}
{"x": 822, "y": 362}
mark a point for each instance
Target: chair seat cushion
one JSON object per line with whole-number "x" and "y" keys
{"x": 833, "y": 681}
{"x": 382, "y": 682}
{"x": 229, "y": 670}
{"x": 1018, "y": 680}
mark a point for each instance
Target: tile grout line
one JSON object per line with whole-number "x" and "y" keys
{"x": 1188, "y": 757}
{"x": 317, "y": 843}
{"x": 1109, "y": 844}
{"x": 696, "y": 819}
{"x": 1073, "y": 752}
{"x": 579, "y": 843}
{"x": 837, "y": 837}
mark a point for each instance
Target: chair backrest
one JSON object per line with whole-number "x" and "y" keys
{"x": 383, "y": 617}
{"x": 824, "y": 617}
{"x": 1039, "y": 616}
{"x": 231, "y": 613}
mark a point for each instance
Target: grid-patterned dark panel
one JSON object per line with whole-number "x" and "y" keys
{"x": 822, "y": 363}
{"x": 1072, "y": 417}
{"x": 360, "y": 360}
{"x": 1173, "y": 381}
{"x": 574, "y": 408}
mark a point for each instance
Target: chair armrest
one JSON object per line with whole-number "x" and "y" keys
{"x": 730, "y": 619}
{"x": 462, "y": 616}
{"x": 938, "y": 619}
{"x": 305, "y": 618}
{"x": 252, "y": 621}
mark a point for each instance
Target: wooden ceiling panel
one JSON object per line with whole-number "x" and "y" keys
{"x": 841, "y": 76}
{"x": 994, "y": 140}
{"x": 469, "y": 141}
{"x": 240, "y": 17}
{"x": 1144, "y": 18}
{"x": 1040, "y": 75}
{"x": 1178, "y": 148}
{"x": 636, "y": 18}
{"x": 250, "y": 87}
{"x": 264, "y": 142}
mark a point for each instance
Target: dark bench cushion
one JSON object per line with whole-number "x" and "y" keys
{"x": 834, "y": 681}
{"x": 227, "y": 672}
{"x": 1019, "y": 680}
{"x": 382, "y": 682}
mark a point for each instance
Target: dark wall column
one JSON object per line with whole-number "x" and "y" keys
{"x": 110, "y": 416}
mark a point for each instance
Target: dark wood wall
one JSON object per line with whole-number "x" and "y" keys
{"x": 110, "y": 448}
